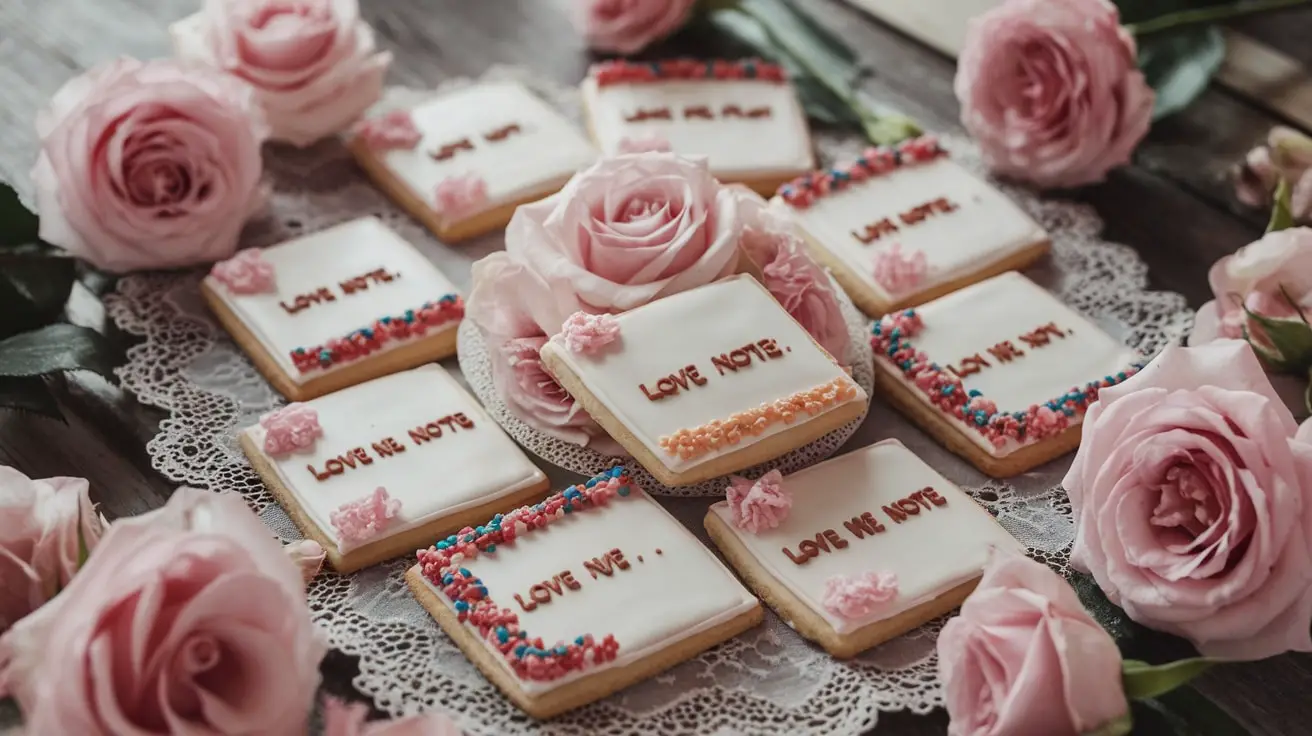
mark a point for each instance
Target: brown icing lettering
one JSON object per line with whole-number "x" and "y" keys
{"x": 969, "y": 365}
{"x": 834, "y": 539}
{"x": 539, "y": 593}
{"x": 673, "y": 383}
{"x": 361, "y": 282}
{"x": 698, "y": 111}
{"x": 908, "y": 506}
{"x": 918, "y": 213}
{"x": 875, "y": 230}
{"x": 387, "y": 447}
{"x": 796, "y": 560}
{"x": 567, "y": 578}
{"x": 525, "y": 605}
{"x": 771, "y": 348}
{"x": 433, "y": 430}
{"x": 934, "y": 497}
{"x": 1043, "y": 335}
{"x": 894, "y": 513}
{"x": 1005, "y": 351}
{"x": 655, "y": 113}
{"x": 451, "y": 149}
{"x": 606, "y": 564}
{"x": 502, "y": 133}
{"x": 305, "y": 301}
{"x": 862, "y": 525}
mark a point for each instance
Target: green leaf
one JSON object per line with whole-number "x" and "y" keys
{"x": 1118, "y": 727}
{"x": 33, "y": 289}
{"x": 55, "y": 349}
{"x": 83, "y": 550}
{"x": 18, "y": 224}
{"x": 1183, "y": 712}
{"x": 1143, "y": 680}
{"x": 1282, "y": 213}
{"x": 1179, "y": 65}
{"x": 1287, "y": 343}
{"x": 28, "y": 394}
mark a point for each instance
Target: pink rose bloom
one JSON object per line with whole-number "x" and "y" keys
{"x": 628, "y": 230}
{"x": 1051, "y": 91}
{"x": 189, "y": 619}
{"x": 1189, "y": 490}
{"x": 515, "y": 311}
{"x": 313, "y": 63}
{"x": 44, "y": 525}
{"x": 1287, "y": 154}
{"x": 348, "y": 719}
{"x": 148, "y": 165}
{"x": 308, "y": 556}
{"x": 1254, "y": 276}
{"x": 629, "y": 26}
{"x": 1023, "y": 657}
{"x": 794, "y": 278}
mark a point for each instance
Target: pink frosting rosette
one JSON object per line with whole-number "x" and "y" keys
{"x": 313, "y": 64}
{"x": 758, "y": 505}
{"x": 857, "y": 596}
{"x": 628, "y": 230}
{"x": 1190, "y": 496}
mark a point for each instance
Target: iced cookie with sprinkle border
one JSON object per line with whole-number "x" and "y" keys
{"x": 564, "y": 602}
{"x": 374, "y": 471}
{"x": 704, "y": 382}
{"x": 462, "y": 161}
{"x": 743, "y": 115}
{"x": 1000, "y": 372}
{"x": 334, "y": 308}
{"x": 903, "y": 225}
{"x": 863, "y": 547}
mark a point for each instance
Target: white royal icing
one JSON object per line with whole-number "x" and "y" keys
{"x": 324, "y": 260}
{"x": 1004, "y": 307}
{"x": 737, "y": 148}
{"x": 460, "y": 469}
{"x": 660, "y": 338}
{"x": 533, "y": 162}
{"x": 657, "y": 602}
{"x": 986, "y": 227}
{"x": 931, "y": 552}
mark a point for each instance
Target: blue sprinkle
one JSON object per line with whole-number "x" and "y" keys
{"x": 981, "y": 419}
{"x": 974, "y": 392}
{"x": 562, "y": 650}
{"x": 567, "y": 508}
{"x": 1108, "y": 379}
{"x": 442, "y": 545}
{"x": 491, "y": 548}
{"x": 503, "y": 635}
{"x": 1068, "y": 412}
{"x": 946, "y": 390}
{"x": 466, "y": 573}
{"x": 1121, "y": 376}
{"x": 623, "y": 490}
{"x": 519, "y": 650}
{"x": 480, "y": 531}
{"x": 590, "y": 483}
{"x": 522, "y": 634}
{"x": 469, "y": 537}
{"x": 579, "y": 641}
{"x": 617, "y": 471}
{"x": 909, "y": 313}
{"x": 386, "y": 320}
{"x": 482, "y": 589}
{"x": 461, "y": 606}
{"x": 448, "y": 578}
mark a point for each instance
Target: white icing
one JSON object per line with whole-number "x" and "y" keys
{"x": 1003, "y": 308}
{"x": 654, "y": 604}
{"x": 738, "y": 148}
{"x": 460, "y": 469}
{"x": 930, "y": 552}
{"x": 987, "y": 227}
{"x": 533, "y": 162}
{"x": 324, "y": 259}
{"x": 662, "y": 337}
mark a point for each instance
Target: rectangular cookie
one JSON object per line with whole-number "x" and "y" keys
{"x": 564, "y": 602}
{"x": 374, "y": 471}
{"x": 461, "y": 161}
{"x": 707, "y": 381}
{"x": 1000, "y": 372}
{"x": 333, "y": 308}
{"x": 858, "y": 549}
{"x": 903, "y": 225}
{"x": 743, "y": 115}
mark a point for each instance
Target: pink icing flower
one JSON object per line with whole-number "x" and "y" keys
{"x": 459, "y": 196}
{"x": 647, "y": 144}
{"x": 1051, "y": 91}
{"x": 293, "y": 427}
{"x": 857, "y": 596}
{"x": 588, "y": 333}
{"x": 758, "y": 505}
{"x": 359, "y": 521}
{"x": 245, "y": 273}
{"x": 899, "y": 272}
{"x": 313, "y": 64}
{"x": 988, "y": 406}
{"x": 395, "y": 130}
{"x": 629, "y": 26}
{"x": 1023, "y": 657}
{"x": 348, "y": 719}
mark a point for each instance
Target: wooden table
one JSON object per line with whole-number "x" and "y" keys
{"x": 1173, "y": 207}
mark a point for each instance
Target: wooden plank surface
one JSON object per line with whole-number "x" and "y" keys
{"x": 1173, "y": 207}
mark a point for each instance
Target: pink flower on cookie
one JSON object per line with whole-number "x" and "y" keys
{"x": 459, "y": 196}
{"x": 857, "y": 596}
{"x": 629, "y": 230}
{"x": 148, "y": 165}
{"x": 395, "y": 130}
{"x": 899, "y": 272}
{"x": 291, "y": 428}
{"x": 364, "y": 519}
{"x": 1023, "y": 657}
{"x": 313, "y": 64}
{"x": 1051, "y": 91}
{"x": 629, "y": 26}
{"x": 245, "y": 273}
{"x": 647, "y": 144}
{"x": 1189, "y": 491}
{"x": 589, "y": 333}
{"x": 758, "y": 505}
{"x": 198, "y": 614}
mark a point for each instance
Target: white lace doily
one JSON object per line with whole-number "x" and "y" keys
{"x": 767, "y": 681}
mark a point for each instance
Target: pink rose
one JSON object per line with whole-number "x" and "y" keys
{"x": 45, "y": 525}
{"x": 1189, "y": 490}
{"x": 629, "y": 26}
{"x": 313, "y": 63}
{"x": 148, "y": 165}
{"x": 1254, "y": 276}
{"x": 1286, "y": 155}
{"x": 628, "y": 230}
{"x": 348, "y": 719}
{"x": 515, "y": 310}
{"x": 1024, "y": 658}
{"x": 1051, "y": 91}
{"x": 792, "y": 276}
{"x": 308, "y": 556}
{"x": 189, "y": 619}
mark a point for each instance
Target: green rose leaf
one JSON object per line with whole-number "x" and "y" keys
{"x": 1179, "y": 66}
{"x": 18, "y": 224}
{"x": 1282, "y": 213}
{"x": 1286, "y": 344}
{"x": 1143, "y": 680}
{"x": 55, "y": 349}
{"x": 28, "y": 394}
